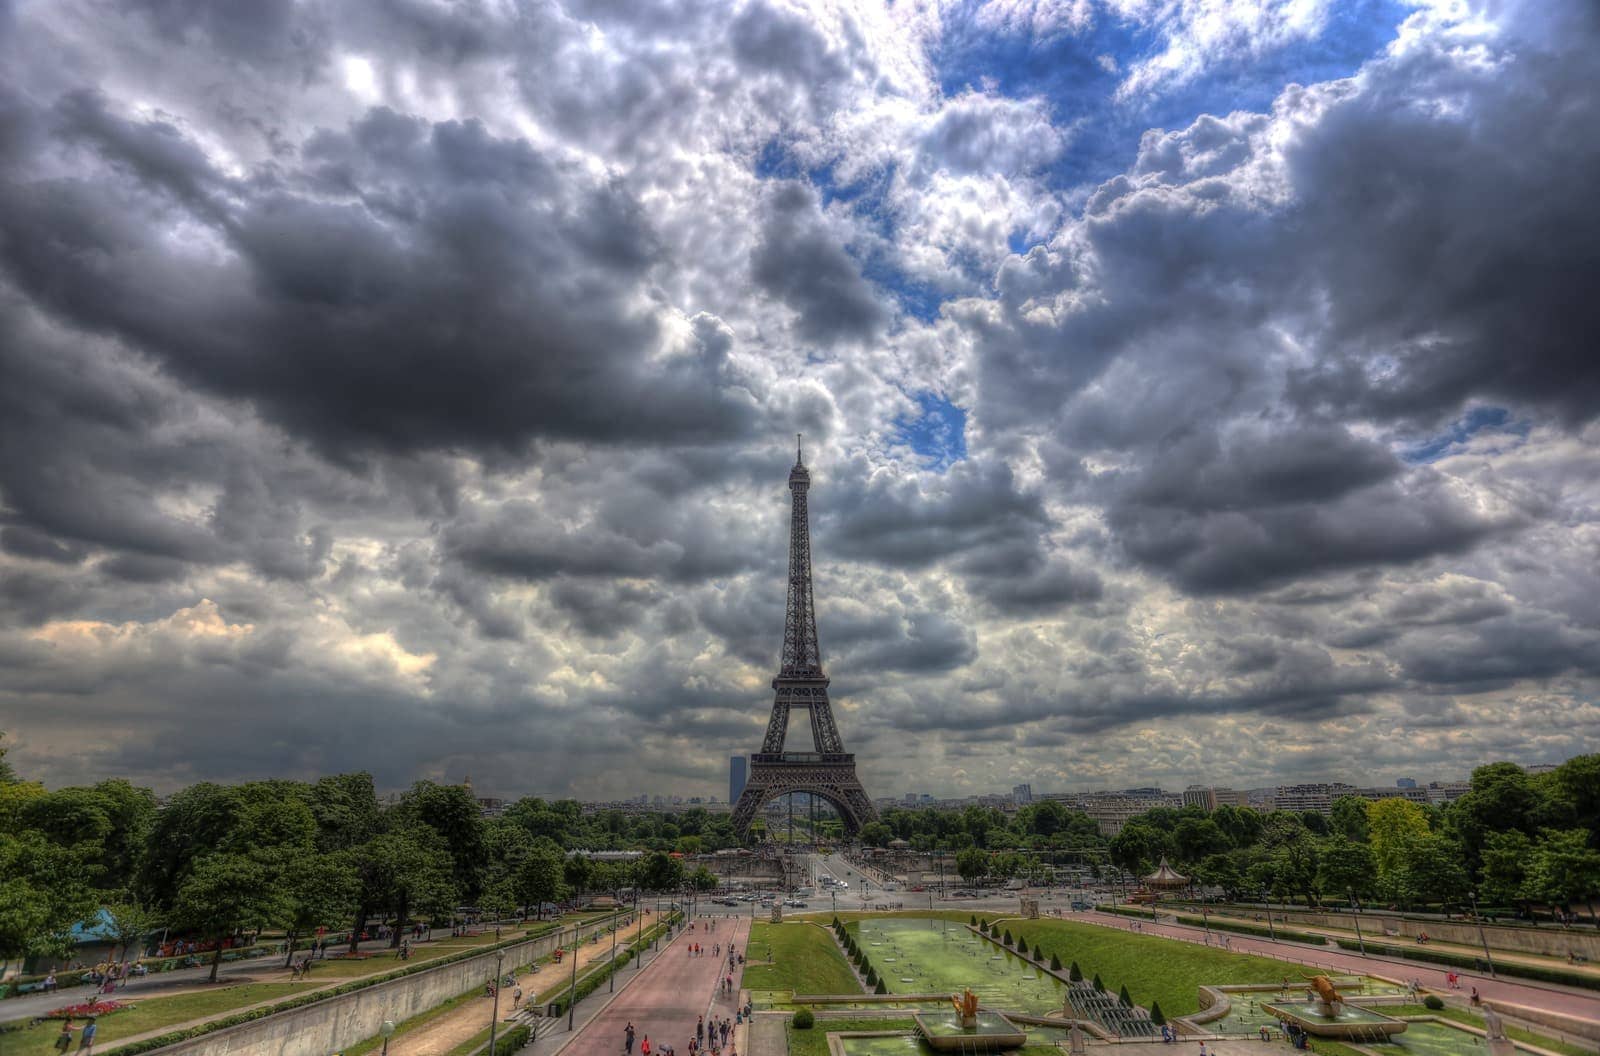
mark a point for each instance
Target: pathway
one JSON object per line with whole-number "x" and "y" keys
{"x": 1566, "y": 1000}
{"x": 670, "y": 993}
{"x": 471, "y": 1018}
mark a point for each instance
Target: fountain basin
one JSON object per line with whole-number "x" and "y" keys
{"x": 1350, "y": 1021}
{"x": 943, "y": 1031}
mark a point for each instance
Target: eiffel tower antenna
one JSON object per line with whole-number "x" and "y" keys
{"x": 829, "y": 772}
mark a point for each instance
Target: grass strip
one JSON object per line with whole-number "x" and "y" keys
{"x": 1472, "y": 1019}
{"x": 804, "y": 960}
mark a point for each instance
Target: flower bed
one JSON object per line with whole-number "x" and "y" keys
{"x": 88, "y": 1008}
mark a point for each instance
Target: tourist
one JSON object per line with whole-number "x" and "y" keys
{"x": 1475, "y": 999}
{"x": 700, "y": 1028}
{"x": 1202, "y": 1049}
{"x": 50, "y": 980}
{"x": 644, "y": 1046}
{"x": 627, "y": 1039}
{"x": 64, "y": 1039}
{"x": 86, "y": 1040}
{"x": 1266, "y": 1033}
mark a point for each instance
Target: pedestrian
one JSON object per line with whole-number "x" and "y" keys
{"x": 700, "y": 1028}
{"x": 86, "y": 1039}
{"x": 50, "y": 980}
{"x": 1476, "y": 1000}
{"x": 627, "y": 1039}
{"x": 64, "y": 1039}
{"x": 1202, "y": 1049}
{"x": 644, "y": 1046}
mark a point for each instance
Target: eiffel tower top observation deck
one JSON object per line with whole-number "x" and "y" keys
{"x": 828, "y": 772}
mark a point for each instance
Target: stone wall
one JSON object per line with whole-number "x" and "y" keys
{"x": 331, "y": 1025}
{"x": 1553, "y": 942}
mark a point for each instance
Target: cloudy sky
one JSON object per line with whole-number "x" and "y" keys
{"x": 1192, "y": 391}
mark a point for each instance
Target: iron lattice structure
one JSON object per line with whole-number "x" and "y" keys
{"x": 828, "y": 773}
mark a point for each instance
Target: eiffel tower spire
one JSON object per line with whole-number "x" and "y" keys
{"x": 828, "y": 772}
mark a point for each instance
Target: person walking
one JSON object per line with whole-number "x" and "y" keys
{"x": 627, "y": 1039}
{"x": 86, "y": 1039}
{"x": 700, "y": 1029}
{"x": 644, "y": 1046}
{"x": 64, "y": 1039}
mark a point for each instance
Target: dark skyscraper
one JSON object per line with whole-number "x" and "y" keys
{"x": 738, "y": 769}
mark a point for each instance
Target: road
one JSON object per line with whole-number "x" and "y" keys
{"x": 671, "y": 991}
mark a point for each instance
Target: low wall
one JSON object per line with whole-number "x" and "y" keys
{"x": 1553, "y": 942}
{"x": 330, "y": 1026}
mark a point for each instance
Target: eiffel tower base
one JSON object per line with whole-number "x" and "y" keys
{"x": 832, "y": 779}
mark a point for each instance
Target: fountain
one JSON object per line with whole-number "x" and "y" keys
{"x": 1325, "y": 1014}
{"x": 970, "y": 1028}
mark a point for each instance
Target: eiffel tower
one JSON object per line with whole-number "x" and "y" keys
{"x": 828, "y": 773}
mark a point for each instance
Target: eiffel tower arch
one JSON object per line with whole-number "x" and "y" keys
{"x": 829, "y": 772}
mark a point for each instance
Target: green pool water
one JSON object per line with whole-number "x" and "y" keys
{"x": 1432, "y": 1039}
{"x": 919, "y": 955}
{"x": 911, "y": 1045}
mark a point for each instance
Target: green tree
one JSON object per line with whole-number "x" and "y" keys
{"x": 450, "y": 811}
{"x": 1347, "y": 867}
{"x": 541, "y": 878}
{"x": 659, "y": 871}
{"x": 129, "y": 924}
{"x": 1139, "y": 846}
{"x": 315, "y": 890}
{"x": 1393, "y": 825}
{"x": 408, "y": 868}
{"x": 1195, "y": 838}
{"x": 972, "y": 864}
{"x": 223, "y": 894}
{"x": 44, "y": 891}
{"x": 876, "y": 834}
{"x": 1350, "y": 818}
{"x": 1565, "y": 869}
{"x": 1504, "y": 867}
{"x": 703, "y": 880}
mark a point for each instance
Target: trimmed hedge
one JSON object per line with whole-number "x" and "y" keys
{"x": 803, "y": 1019}
{"x": 1055, "y": 963}
{"x": 1417, "y": 952}
{"x": 1433, "y": 1001}
{"x": 1155, "y": 1014}
{"x": 511, "y": 1040}
{"x": 1076, "y": 974}
{"x": 881, "y": 988}
{"x": 1240, "y": 927}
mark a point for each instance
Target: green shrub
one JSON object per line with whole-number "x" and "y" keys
{"x": 973, "y": 919}
{"x": 511, "y": 1041}
{"x": 1155, "y": 1014}
{"x": 1006, "y": 938}
{"x": 872, "y": 977}
{"x": 1433, "y": 1001}
{"x": 1098, "y": 985}
{"x": 1122, "y": 996}
{"x": 881, "y": 989}
{"x": 1022, "y": 947}
{"x": 803, "y": 1019}
{"x": 1075, "y": 975}
{"x": 1055, "y": 963}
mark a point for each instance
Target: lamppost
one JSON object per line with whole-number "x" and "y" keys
{"x": 572, "y": 992}
{"x": 1472, "y": 897}
{"x": 494, "y": 1012}
{"x": 1355, "y": 914}
{"x": 387, "y": 1031}
{"x": 638, "y": 940}
{"x": 612, "y": 975}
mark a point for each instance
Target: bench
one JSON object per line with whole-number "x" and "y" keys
{"x": 30, "y": 988}
{"x": 346, "y": 955}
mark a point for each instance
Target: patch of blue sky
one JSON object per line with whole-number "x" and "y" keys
{"x": 920, "y": 300}
{"x": 1477, "y": 420}
{"x": 937, "y": 433}
{"x": 1067, "y": 70}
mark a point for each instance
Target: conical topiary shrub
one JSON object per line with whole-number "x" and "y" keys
{"x": 973, "y": 919}
{"x": 1055, "y": 963}
{"x": 1075, "y": 974}
{"x": 881, "y": 989}
{"x": 1022, "y": 947}
{"x": 1122, "y": 996}
{"x": 1006, "y": 938}
{"x": 1155, "y": 1014}
{"x": 1098, "y": 985}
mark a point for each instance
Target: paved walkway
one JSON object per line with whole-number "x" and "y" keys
{"x": 669, "y": 994}
{"x": 1567, "y": 1000}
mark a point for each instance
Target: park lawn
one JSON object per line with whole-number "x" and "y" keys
{"x": 152, "y": 1014}
{"x": 804, "y": 957}
{"x": 1472, "y": 1019}
{"x": 1167, "y": 971}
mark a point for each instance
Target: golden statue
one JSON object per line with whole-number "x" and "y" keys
{"x": 966, "y": 1006}
{"x": 1326, "y": 994}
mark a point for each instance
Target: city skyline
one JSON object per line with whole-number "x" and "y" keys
{"x": 1186, "y": 388}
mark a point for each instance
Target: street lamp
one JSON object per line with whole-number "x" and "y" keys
{"x": 1472, "y": 897}
{"x": 572, "y": 993}
{"x": 387, "y": 1032}
{"x": 612, "y": 975}
{"x": 1355, "y": 914}
{"x": 494, "y": 1012}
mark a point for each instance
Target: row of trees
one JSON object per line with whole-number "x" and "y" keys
{"x": 1514, "y": 839}
{"x": 217, "y": 860}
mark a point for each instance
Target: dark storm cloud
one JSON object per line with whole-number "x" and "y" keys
{"x": 800, "y": 261}
{"x": 412, "y": 286}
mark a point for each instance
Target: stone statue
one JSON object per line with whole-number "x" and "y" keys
{"x": 1494, "y": 1030}
{"x": 1077, "y": 1044}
